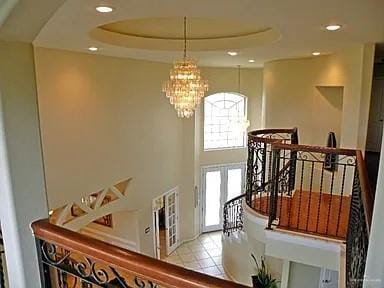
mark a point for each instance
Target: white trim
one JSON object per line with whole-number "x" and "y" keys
{"x": 245, "y": 134}
{"x": 190, "y": 239}
{"x": 250, "y": 214}
{"x": 302, "y": 240}
{"x": 285, "y": 274}
{"x": 223, "y": 169}
{"x": 156, "y": 223}
{"x": 118, "y": 241}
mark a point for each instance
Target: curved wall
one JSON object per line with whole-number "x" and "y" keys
{"x": 321, "y": 94}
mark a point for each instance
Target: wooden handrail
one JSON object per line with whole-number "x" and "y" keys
{"x": 270, "y": 131}
{"x": 162, "y": 273}
{"x": 260, "y": 135}
{"x": 366, "y": 191}
{"x": 318, "y": 149}
{"x": 236, "y": 198}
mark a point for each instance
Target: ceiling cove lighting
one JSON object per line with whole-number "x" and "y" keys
{"x": 316, "y": 53}
{"x": 93, "y": 49}
{"x": 232, "y": 53}
{"x": 104, "y": 9}
{"x": 185, "y": 88}
{"x": 333, "y": 27}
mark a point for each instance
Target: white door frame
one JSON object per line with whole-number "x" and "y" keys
{"x": 223, "y": 168}
{"x": 155, "y": 220}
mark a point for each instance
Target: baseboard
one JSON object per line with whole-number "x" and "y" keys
{"x": 190, "y": 239}
{"x": 118, "y": 241}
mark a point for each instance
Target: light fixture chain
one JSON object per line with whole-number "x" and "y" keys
{"x": 185, "y": 37}
{"x": 238, "y": 78}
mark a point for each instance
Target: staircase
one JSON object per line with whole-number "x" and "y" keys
{"x": 311, "y": 191}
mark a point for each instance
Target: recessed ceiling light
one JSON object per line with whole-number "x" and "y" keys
{"x": 93, "y": 49}
{"x": 104, "y": 9}
{"x": 232, "y": 53}
{"x": 316, "y": 53}
{"x": 333, "y": 27}
{"x": 251, "y": 61}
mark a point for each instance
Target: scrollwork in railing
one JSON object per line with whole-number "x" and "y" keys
{"x": 233, "y": 215}
{"x": 357, "y": 239}
{"x": 259, "y": 165}
{"x": 87, "y": 269}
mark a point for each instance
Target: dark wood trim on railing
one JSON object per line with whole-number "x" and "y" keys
{"x": 260, "y": 135}
{"x": 236, "y": 198}
{"x": 366, "y": 191}
{"x": 160, "y": 272}
{"x": 271, "y": 131}
{"x": 317, "y": 149}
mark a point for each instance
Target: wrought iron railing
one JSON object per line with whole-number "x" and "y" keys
{"x": 2, "y": 275}
{"x": 319, "y": 202}
{"x": 233, "y": 215}
{"x": 359, "y": 225}
{"x": 260, "y": 165}
{"x": 71, "y": 259}
{"x": 313, "y": 190}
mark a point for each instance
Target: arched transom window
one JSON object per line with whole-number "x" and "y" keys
{"x": 224, "y": 114}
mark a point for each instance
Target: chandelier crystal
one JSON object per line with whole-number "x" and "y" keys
{"x": 185, "y": 87}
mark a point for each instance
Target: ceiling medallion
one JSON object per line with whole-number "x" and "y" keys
{"x": 185, "y": 88}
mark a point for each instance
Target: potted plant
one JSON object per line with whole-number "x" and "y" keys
{"x": 262, "y": 278}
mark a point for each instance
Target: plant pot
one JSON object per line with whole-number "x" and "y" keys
{"x": 255, "y": 282}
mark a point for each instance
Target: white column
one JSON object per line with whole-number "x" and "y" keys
{"x": 22, "y": 192}
{"x": 285, "y": 274}
{"x": 374, "y": 270}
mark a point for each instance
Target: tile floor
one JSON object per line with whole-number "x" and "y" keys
{"x": 202, "y": 255}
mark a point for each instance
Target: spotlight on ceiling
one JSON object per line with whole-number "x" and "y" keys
{"x": 232, "y": 53}
{"x": 316, "y": 53}
{"x": 251, "y": 61}
{"x": 104, "y": 9}
{"x": 333, "y": 27}
{"x": 93, "y": 49}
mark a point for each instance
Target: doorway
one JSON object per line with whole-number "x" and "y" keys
{"x": 219, "y": 184}
{"x": 376, "y": 119}
{"x": 166, "y": 223}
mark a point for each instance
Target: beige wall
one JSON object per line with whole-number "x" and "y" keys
{"x": 104, "y": 119}
{"x": 124, "y": 230}
{"x": 226, "y": 80}
{"x": 321, "y": 94}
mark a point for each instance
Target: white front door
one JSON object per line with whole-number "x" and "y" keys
{"x": 329, "y": 279}
{"x": 172, "y": 220}
{"x": 376, "y": 116}
{"x": 220, "y": 184}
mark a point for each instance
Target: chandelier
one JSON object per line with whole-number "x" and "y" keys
{"x": 185, "y": 88}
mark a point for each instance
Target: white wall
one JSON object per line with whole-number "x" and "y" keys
{"x": 374, "y": 270}
{"x": 306, "y": 93}
{"x": 301, "y": 275}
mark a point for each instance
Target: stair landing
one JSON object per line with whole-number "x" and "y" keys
{"x": 312, "y": 213}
